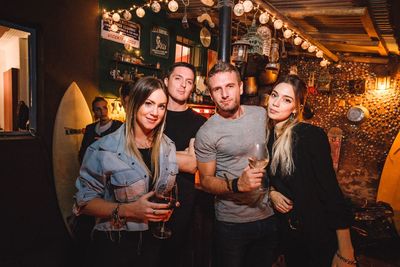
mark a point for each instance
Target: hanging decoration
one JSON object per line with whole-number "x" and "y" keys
{"x": 255, "y": 40}
{"x": 242, "y": 7}
{"x": 265, "y": 33}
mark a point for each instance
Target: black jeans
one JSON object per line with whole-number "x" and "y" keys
{"x": 122, "y": 249}
{"x": 251, "y": 244}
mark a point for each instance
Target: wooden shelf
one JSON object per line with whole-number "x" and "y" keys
{"x": 150, "y": 67}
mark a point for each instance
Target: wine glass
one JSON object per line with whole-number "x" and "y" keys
{"x": 259, "y": 158}
{"x": 170, "y": 197}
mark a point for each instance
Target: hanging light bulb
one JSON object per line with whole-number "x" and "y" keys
{"x": 238, "y": 9}
{"x": 312, "y": 49}
{"x": 324, "y": 63}
{"x": 248, "y": 6}
{"x": 106, "y": 16}
{"x": 263, "y": 18}
{"x": 156, "y": 7}
{"x": 173, "y": 6}
{"x": 297, "y": 40}
{"x": 287, "y": 34}
{"x": 140, "y": 12}
{"x": 319, "y": 54}
{"x": 127, "y": 15}
{"x": 305, "y": 45}
{"x": 114, "y": 28}
{"x": 116, "y": 17}
{"x": 278, "y": 24}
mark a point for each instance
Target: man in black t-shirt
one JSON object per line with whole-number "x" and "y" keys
{"x": 182, "y": 126}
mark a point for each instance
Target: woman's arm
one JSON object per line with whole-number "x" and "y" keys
{"x": 345, "y": 254}
{"x": 141, "y": 209}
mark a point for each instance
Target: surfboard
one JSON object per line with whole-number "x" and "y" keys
{"x": 389, "y": 185}
{"x": 73, "y": 115}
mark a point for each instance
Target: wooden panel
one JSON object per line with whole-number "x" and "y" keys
{"x": 10, "y": 79}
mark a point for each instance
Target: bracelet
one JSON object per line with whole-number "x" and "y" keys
{"x": 351, "y": 262}
{"x": 116, "y": 221}
{"x": 228, "y": 183}
{"x": 235, "y": 187}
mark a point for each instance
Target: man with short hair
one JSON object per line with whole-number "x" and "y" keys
{"x": 104, "y": 125}
{"x": 181, "y": 127}
{"x": 246, "y": 230}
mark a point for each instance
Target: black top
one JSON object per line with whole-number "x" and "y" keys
{"x": 319, "y": 204}
{"x": 90, "y": 136}
{"x": 181, "y": 127}
{"x": 146, "y": 156}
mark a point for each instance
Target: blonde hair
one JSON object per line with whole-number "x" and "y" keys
{"x": 143, "y": 88}
{"x": 282, "y": 148}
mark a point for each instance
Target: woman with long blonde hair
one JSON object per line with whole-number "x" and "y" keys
{"x": 118, "y": 177}
{"x": 314, "y": 217}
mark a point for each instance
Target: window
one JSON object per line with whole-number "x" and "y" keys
{"x": 188, "y": 51}
{"x": 17, "y": 79}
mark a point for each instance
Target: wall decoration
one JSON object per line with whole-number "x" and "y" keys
{"x": 159, "y": 42}
{"x": 129, "y": 32}
{"x": 366, "y": 144}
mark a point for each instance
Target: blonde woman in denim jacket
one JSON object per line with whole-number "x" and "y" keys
{"x": 118, "y": 175}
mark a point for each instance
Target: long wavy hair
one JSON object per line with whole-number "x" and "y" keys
{"x": 143, "y": 88}
{"x": 282, "y": 156}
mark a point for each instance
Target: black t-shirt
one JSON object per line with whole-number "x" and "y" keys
{"x": 181, "y": 127}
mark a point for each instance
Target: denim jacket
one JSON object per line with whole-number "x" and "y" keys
{"x": 108, "y": 172}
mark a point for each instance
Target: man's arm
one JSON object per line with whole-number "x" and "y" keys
{"x": 187, "y": 159}
{"x": 208, "y": 181}
{"x": 248, "y": 181}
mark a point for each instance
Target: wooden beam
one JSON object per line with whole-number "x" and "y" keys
{"x": 292, "y": 25}
{"x": 351, "y": 48}
{"x": 372, "y": 33}
{"x": 343, "y": 11}
{"x": 373, "y": 60}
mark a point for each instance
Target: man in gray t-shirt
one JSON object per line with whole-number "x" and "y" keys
{"x": 246, "y": 232}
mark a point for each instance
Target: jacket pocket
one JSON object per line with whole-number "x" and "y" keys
{"x": 128, "y": 185}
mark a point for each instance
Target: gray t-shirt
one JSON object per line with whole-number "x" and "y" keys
{"x": 227, "y": 141}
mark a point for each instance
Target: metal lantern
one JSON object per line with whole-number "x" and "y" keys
{"x": 240, "y": 51}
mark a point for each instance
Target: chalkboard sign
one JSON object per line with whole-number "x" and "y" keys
{"x": 128, "y": 32}
{"x": 159, "y": 42}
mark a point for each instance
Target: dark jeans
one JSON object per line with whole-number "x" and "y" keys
{"x": 250, "y": 244}
{"x": 122, "y": 249}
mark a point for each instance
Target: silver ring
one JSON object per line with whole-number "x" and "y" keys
{"x": 154, "y": 212}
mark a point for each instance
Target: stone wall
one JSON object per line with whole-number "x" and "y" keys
{"x": 366, "y": 144}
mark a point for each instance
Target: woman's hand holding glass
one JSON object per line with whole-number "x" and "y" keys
{"x": 170, "y": 197}
{"x": 145, "y": 210}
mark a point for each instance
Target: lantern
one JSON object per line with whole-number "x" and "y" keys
{"x": 240, "y": 52}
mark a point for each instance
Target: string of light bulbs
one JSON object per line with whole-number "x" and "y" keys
{"x": 247, "y": 6}
{"x": 239, "y": 9}
{"x": 115, "y": 15}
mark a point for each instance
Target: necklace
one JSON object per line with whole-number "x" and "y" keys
{"x": 143, "y": 144}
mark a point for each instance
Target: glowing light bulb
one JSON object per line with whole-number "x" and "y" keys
{"x": 264, "y": 17}
{"x": 319, "y": 54}
{"x": 305, "y": 45}
{"x": 312, "y": 49}
{"x": 238, "y": 9}
{"x": 114, "y": 28}
{"x": 127, "y": 15}
{"x": 173, "y": 6}
{"x": 248, "y": 6}
{"x": 140, "y": 12}
{"x": 156, "y": 7}
{"x": 116, "y": 17}
{"x": 287, "y": 33}
{"x": 278, "y": 24}
{"x": 297, "y": 40}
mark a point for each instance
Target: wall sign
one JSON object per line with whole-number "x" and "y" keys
{"x": 128, "y": 32}
{"x": 159, "y": 42}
